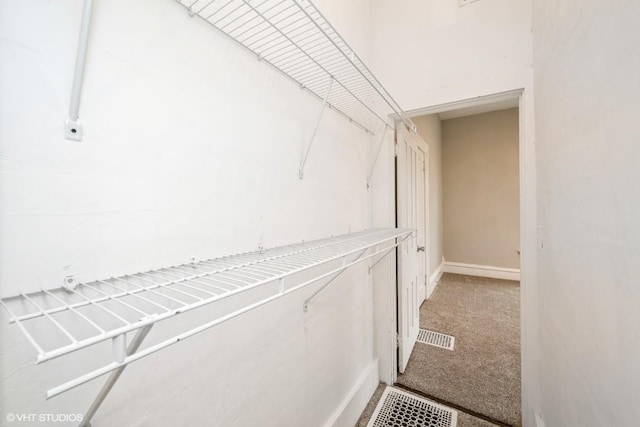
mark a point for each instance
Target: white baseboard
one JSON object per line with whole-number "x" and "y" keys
{"x": 351, "y": 407}
{"x": 434, "y": 279}
{"x": 482, "y": 270}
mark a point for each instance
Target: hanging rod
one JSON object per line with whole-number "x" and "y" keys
{"x": 295, "y": 37}
{"x": 63, "y": 320}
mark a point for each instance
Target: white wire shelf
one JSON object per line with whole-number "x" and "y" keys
{"x": 295, "y": 38}
{"x": 63, "y": 320}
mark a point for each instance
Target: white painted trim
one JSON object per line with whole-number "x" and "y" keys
{"x": 539, "y": 420}
{"x": 422, "y": 293}
{"x": 434, "y": 279}
{"x": 466, "y": 103}
{"x": 482, "y": 270}
{"x": 351, "y": 407}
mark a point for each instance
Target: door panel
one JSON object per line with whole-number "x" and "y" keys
{"x": 411, "y": 261}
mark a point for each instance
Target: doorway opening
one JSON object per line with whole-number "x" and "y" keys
{"x": 469, "y": 216}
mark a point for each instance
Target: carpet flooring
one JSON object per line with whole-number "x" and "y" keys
{"x": 482, "y": 374}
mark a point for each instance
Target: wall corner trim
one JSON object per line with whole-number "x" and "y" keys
{"x": 539, "y": 420}
{"x": 482, "y": 270}
{"x": 434, "y": 279}
{"x": 351, "y": 407}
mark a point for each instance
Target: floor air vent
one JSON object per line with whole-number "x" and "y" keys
{"x": 436, "y": 339}
{"x": 398, "y": 408}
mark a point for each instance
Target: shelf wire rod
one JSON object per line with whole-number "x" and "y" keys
{"x": 292, "y": 22}
{"x": 200, "y": 282}
{"x": 306, "y": 259}
{"x": 234, "y": 273}
{"x": 269, "y": 270}
{"x": 261, "y": 275}
{"x": 276, "y": 268}
{"x": 255, "y": 275}
{"x": 293, "y": 257}
{"x": 136, "y": 292}
{"x": 154, "y": 288}
{"x": 265, "y": 21}
{"x": 297, "y": 249}
{"x": 225, "y": 275}
{"x": 115, "y": 298}
{"x": 80, "y": 304}
{"x": 218, "y": 266}
{"x": 234, "y": 286}
{"x": 291, "y": 53}
{"x": 219, "y": 270}
{"x": 205, "y": 6}
{"x": 319, "y": 65}
{"x": 264, "y": 53}
{"x": 183, "y": 282}
{"x": 167, "y": 285}
{"x": 18, "y": 322}
{"x": 73, "y": 310}
{"x": 228, "y": 14}
{"x": 306, "y": 72}
{"x": 193, "y": 277}
{"x": 252, "y": 19}
{"x": 321, "y": 50}
{"x": 51, "y": 319}
{"x": 202, "y": 272}
{"x": 395, "y": 108}
{"x": 307, "y": 32}
{"x": 319, "y": 55}
{"x": 223, "y": 27}
{"x": 92, "y": 302}
{"x": 219, "y": 9}
{"x": 181, "y": 337}
{"x": 289, "y": 263}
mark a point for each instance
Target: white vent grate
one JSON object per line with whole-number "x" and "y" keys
{"x": 436, "y": 339}
{"x": 398, "y": 408}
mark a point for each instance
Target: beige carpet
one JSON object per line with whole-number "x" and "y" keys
{"x": 482, "y": 374}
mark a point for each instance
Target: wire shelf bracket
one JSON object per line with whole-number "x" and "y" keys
{"x": 294, "y": 37}
{"x": 66, "y": 319}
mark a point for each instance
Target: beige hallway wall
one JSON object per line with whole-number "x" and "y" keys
{"x": 481, "y": 189}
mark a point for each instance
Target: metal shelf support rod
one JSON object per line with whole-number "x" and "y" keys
{"x": 315, "y": 130}
{"x": 108, "y": 385}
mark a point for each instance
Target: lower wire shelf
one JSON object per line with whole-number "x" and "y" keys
{"x": 63, "y": 320}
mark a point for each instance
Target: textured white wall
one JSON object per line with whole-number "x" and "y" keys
{"x": 429, "y": 53}
{"x": 445, "y": 52}
{"x": 191, "y": 148}
{"x": 587, "y": 90}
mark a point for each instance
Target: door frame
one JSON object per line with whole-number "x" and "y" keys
{"x": 529, "y": 243}
{"x": 420, "y": 146}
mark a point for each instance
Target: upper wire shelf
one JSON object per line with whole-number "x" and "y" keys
{"x": 295, "y": 38}
{"x": 63, "y": 320}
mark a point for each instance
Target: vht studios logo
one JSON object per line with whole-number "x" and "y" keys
{"x": 43, "y": 418}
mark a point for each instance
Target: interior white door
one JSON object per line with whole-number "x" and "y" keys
{"x": 410, "y": 179}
